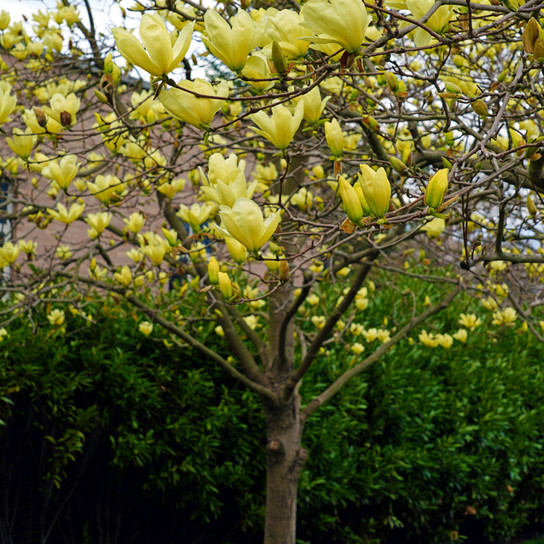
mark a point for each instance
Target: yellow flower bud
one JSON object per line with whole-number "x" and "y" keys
{"x": 334, "y": 137}
{"x": 4, "y": 19}
{"x": 436, "y": 188}
{"x": 7, "y": 105}
{"x": 225, "y": 285}
{"x": 531, "y": 207}
{"x": 213, "y": 271}
{"x": 376, "y": 189}
{"x": 237, "y": 250}
{"x": 350, "y": 200}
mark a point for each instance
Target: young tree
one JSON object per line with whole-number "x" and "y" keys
{"x": 336, "y": 136}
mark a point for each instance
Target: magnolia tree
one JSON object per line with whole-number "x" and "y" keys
{"x": 320, "y": 139}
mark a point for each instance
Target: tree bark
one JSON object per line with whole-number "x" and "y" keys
{"x": 285, "y": 458}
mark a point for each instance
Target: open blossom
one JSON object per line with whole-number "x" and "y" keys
{"x": 342, "y": 22}
{"x": 195, "y": 110}
{"x": 231, "y": 43}
{"x": 281, "y": 127}
{"x": 245, "y": 222}
{"x": 159, "y": 56}
{"x": 470, "y": 321}
{"x": 56, "y": 317}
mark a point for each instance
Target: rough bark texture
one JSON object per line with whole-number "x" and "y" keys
{"x": 285, "y": 458}
{"x": 284, "y": 455}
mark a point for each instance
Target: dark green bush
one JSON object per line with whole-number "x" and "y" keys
{"x": 431, "y": 445}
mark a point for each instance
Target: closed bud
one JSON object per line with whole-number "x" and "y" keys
{"x": 213, "y": 271}
{"x": 452, "y": 88}
{"x": 480, "y": 108}
{"x": 350, "y": 200}
{"x": 530, "y": 35}
{"x": 371, "y": 123}
{"x": 284, "y": 270}
{"x": 376, "y": 189}
{"x": 100, "y": 96}
{"x": 538, "y": 53}
{"x": 531, "y": 207}
{"x": 436, "y": 188}
{"x": 225, "y": 285}
{"x": 397, "y": 164}
{"x": 392, "y": 81}
{"x": 278, "y": 58}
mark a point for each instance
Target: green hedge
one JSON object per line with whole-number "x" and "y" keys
{"x": 430, "y": 445}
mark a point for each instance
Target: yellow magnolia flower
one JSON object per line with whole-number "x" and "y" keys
{"x": 436, "y": 188}
{"x": 342, "y": 22}
{"x": 286, "y": 29}
{"x": 63, "y": 252}
{"x": 196, "y": 111}
{"x": 281, "y": 127}
{"x": 124, "y": 276}
{"x": 62, "y": 172}
{"x": 357, "y": 348}
{"x": 444, "y": 340}
{"x": 159, "y": 56}
{"x": 213, "y": 271}
{"x": 105, "y": 188}
{"x": 5, "y": 18}
{"x": 153, "y": 246}
{"x": 227, "y": 193}
{"x": 334, "y": 137}
{"x": 434, "y": 228}
{"x": 461, "y": 335}
{"x": 257, "y": 68}
{"x": 22, "y": 142}
{"x": 196, "y": 214}
{"x": 67, "y": 216}
{"x": 376, "y": 189}
{"x": 504, "y": 317}
{"x": 134, "y": 222}
{"x": 245, "y": 222}
{"x": 98, "y": 223}
{"x": 146, "y": 328}
{"x": 3, "y": 333}
{"x": 428, "y": 339}
{"x": 56, "y": 317}
{"x": 470, "y": 321}
{"x": 313, "y": 105}
{"x": 237, "y": 250}
{"x": 222, "y": 169}
{"x": 7, "y": 105}
{"x": 437, "y": 22}
{"x": 9, "y": 252}
{"x": 63, "y": 109}
{"x": 231, "y": 45}
{"x": 225, "y": 285}
{"x": 350, "y": 200}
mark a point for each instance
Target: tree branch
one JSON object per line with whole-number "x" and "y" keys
{"x": 321, "y": 399}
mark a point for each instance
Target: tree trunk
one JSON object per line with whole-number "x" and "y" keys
{"x": 284, "y": 458}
